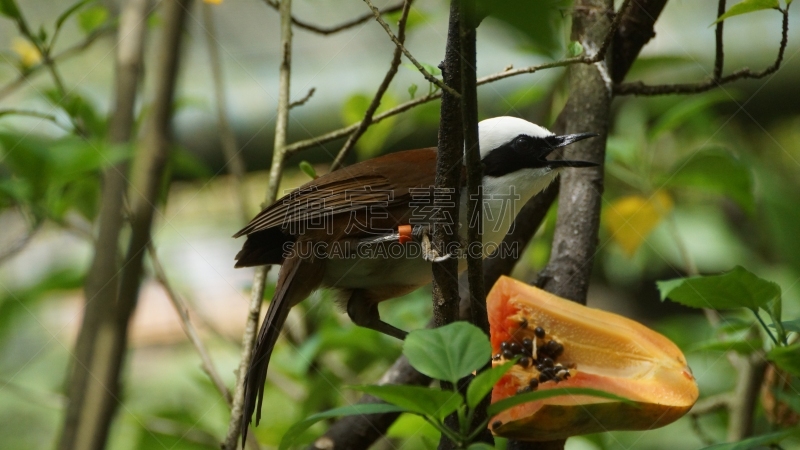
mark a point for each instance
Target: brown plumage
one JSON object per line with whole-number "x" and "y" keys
{"x": 374, "y": 192}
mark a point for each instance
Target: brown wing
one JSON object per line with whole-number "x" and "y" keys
{"x": 382, "y": 183}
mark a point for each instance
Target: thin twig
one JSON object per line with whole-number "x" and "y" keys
{"x": 230, "y": 148}
{"x": 376, "y": 12}
{"x": 719, "y": 58}
{"x": 182, "y": 308}
{"x": 303, "y": 100}
{"x": 20, "y": 244}
{"x": 376, "y": 100}
{"x": 24, "y": 112}
{"x": 337, "y": 28}
{"x": 66, "y": 54}
{"x": 716, "y": 80}
{"x": 275, "y": 173}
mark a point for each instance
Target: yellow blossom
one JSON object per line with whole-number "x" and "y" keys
{"x": 28, "y": 53}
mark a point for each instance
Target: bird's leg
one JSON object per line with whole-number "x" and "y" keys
{"x": 364, "y": 313}
{"x": 428, "y": 252}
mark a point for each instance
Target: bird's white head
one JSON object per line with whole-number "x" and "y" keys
{"x": 497, "y": 131}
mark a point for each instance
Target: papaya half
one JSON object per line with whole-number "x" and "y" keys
{"x": 560, "y": 344}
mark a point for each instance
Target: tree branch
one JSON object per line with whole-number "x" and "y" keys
{"x": 303, "y": 100}
{"x": 87, "y": 427}
{"x": 275, "y": 174}
{"x": 716, "y": 80}
{"x": 341, "y": 27}
{"x": 376, "y": 100}
{"x": 443, "y": 86}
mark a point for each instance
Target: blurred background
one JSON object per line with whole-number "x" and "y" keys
{"x": 748, "y": 132}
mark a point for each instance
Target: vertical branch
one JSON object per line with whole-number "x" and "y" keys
{"x": 230, "y": 149}
{"x": 448, "y": 188}
{"x": 472, "y": 155}
{"x": 575, "y": 239}
{"x": 719, "y": 59}
{"x": 448, "y": 180}
{"x": 275, "y": 173}
{"x": 101, "y": 286}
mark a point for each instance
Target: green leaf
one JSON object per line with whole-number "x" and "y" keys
{"x": 542, "y": 24}
{"x": 448, "y": 353}
{"x": 733, "y": 324}
{"x": 735, "y": 289}
{"x": 69, "y": 12}
{"x": 371, "y": 143}
{"x": 351, "y": 410}
{"x": 787, "y": 358}
{"x": 412, "y": 90}
{"x": 480, "y": 446}
{"x": 789, "y": 325}
{"x": 763, "y": 441}
{"x": 9, "y": 9}
{"x": 424, "y": 401}
{"x": 308, "y": 169}
{"x": 575, "y": 48}
{"x": 92, "y": 18}
{"x": 685, "y": 111}
{"x": 484, "y": 382}
{"x": 715, "y": 171}
{"x": 743, "y": 347}
{"x": 747, "y": 6}
{"x": 510, "y": 402}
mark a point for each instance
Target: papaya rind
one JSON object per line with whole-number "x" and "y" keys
{"x": 552, "y": 422}
{"x": 644, "y": 367}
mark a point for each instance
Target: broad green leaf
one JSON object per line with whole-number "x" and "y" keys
{"x": 9, "y": 9}
{"x": 744, "y": 347}
{"x": 371, "y": 142}
{"x": 763, "y": 441}
{"x": 510, "y": 402}
{"x": 631, "y": 219}
{"x": 484, "y": 382}
{"x": 351, "y": 410}
{"x": 787, "y": 358}
{"x": 430, "y": 402}
{"x": 715, "y": 171}
{"x": 92, "y": 18}
{"x": 448, "y": 353}
{"x": 747, "y": 6}
{"x": 789, "y": 325}
{"x": 685, "y": 111}
{"x": 308, "y": 169}
{"x": 735, "y": 289}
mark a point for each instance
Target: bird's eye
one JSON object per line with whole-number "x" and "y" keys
{"x": 521, "y": 142}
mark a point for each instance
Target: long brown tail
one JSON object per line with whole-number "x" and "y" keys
{"x": 287, "y": 294}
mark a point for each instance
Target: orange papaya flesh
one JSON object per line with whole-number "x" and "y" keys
{"x": 560, "y": 344}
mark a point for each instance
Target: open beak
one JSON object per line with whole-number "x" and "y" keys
{"x": 561, "y": 141}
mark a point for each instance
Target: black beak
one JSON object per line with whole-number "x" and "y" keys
{"x": 556, "y": 142}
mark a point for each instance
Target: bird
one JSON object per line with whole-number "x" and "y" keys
{"x": 339, "y": 230}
